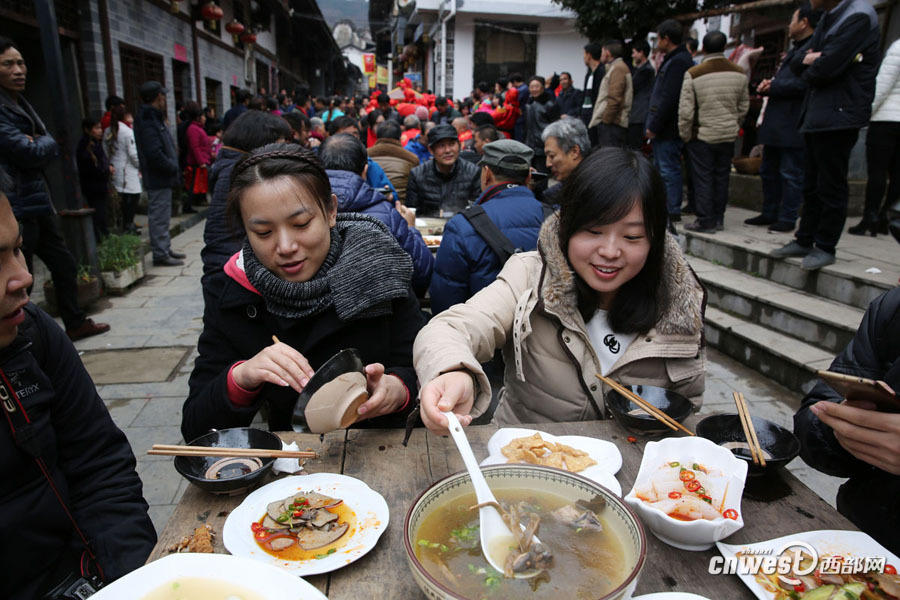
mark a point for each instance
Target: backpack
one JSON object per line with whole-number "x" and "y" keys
{"x": 491, "y": 234}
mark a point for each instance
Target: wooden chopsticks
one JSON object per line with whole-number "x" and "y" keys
{"x": 648, "y": 408}
{"x": 174, "y": 450}
{"x": 749, "y": 431}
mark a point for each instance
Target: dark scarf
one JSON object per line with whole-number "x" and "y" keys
{"x": 365, "y": 270}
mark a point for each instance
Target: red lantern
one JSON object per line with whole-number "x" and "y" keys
{"x": 212, "y": 12}
{"x": 235, "y": 28}
{"x": 248, "y": 38}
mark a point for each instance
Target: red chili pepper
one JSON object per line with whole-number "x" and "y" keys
{"x": 255, "y": 527}
{"x": 297, "y": 513}
{"x": 261, "y": 535}
{"x": 686, "y": 475}
{"x": 732, "y": 514}
{"x": 800, "y": 588}
{"x": 674, "y": 495}
{"x": 631, "y": 439}
{"x": 890, "y": 570}
{"x": 692, "y": 486}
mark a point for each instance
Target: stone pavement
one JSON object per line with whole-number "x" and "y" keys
{"x": 164, "y": 314}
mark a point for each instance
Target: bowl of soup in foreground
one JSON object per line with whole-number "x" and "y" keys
{"x": 598, "y": 544}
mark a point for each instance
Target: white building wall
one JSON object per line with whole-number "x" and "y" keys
{"x": 560, "y": 48}
{"x": 463, "y": 55}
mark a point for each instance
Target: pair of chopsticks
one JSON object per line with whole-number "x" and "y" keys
{"x": 174, "y": 450}
{"x": 749, "y": 431}
{"x": 648, "y": 408}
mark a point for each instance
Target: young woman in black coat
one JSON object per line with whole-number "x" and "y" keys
{"x": 319, "y": 281}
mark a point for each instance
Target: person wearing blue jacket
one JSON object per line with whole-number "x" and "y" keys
{"x": 465, "y": 261}
{"x": 346, "y": 162}
{"x": 781, "y": 171}
{"x": 662, "y": 116}
{"x": 839, "y": 63}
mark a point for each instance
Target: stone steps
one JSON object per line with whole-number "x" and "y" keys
{"x": 824, "y": 323}
{"x": 776, "y": 318}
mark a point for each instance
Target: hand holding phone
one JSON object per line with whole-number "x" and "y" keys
{"x": 856, "y": 388}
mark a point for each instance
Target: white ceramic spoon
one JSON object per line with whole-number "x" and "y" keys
{"x": 496, "y": 538}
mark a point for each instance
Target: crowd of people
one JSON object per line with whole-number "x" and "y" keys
{"x": 557, "y": 261}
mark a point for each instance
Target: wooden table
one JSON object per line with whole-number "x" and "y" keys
{"x": 399, "y": 473}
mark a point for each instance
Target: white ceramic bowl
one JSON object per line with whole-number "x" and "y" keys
{"x": 572, "y": 486}
{"x": 702, "y": 533}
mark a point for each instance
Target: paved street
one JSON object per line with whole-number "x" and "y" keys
{"x": 154, "y": 332}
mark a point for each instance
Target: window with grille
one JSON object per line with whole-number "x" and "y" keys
{"x": 138, "y": 66}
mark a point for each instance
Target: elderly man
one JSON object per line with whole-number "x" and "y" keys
{"x": 505, "y": 219}
{"x": 390, "y": 156}
{"x": 570, "y": 98}
{"x": 566, "y": 143}
{"x": 444, "y": 185}
{"x": 26, "y": 149}
{"x": 540, "y": 111}
{"x": 714, "y": 101}
{"x": 93, "y": 521}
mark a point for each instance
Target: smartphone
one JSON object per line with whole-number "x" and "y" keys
{"x": 853, "y": 387}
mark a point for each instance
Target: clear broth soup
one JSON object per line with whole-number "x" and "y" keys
{"x": 201, "y": 588}
{"x": 586, "y": 564}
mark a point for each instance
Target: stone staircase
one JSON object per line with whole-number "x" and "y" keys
{"x": 773, "y": 316}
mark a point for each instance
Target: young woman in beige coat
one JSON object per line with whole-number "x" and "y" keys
{"x": 608, "y": 291}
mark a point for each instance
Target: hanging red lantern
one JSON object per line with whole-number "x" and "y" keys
{"x": 248, "y": 38}
{"x": 212, "y": 12}
{"x": 235, "y": 28}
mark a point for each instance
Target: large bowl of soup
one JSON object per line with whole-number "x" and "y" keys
{"x": 597, "y": 560}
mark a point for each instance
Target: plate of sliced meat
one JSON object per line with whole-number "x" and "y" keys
{"x": 307, "y": 524}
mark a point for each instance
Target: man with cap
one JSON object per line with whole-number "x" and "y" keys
{"x": 505, "y": 219}
{"x": 445, "y": 184}
{"x": 159, "y": 168}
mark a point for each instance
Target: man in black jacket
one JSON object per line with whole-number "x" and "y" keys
{"x": 86, "y": 455}
{"x": 570, "y": 99}
{"x": 662, "y": 115}
{"x": 595, "y": 71}
{"x": 159, "y": 168}
{"x": 444, "y": 185}
{"x": 642, "y": 78}
{"x": 540, "y": 111}
{"x": 782, "y": 165}
{"x": 839, "y": 64}
{"x": 852, "y": 439}
{"x": 26, "y": 149}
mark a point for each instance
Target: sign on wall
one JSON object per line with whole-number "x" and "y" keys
{"x": 368, "y": 63}
{"x": 382, "y": 77}
{"x": 180, "y": 53}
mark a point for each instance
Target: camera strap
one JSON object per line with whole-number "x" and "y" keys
{"x": 25, "y": 437}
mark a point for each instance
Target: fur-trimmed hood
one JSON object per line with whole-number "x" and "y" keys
{"x": 682, "y": 309}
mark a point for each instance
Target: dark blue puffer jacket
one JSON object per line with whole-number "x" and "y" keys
{"x": 23, "y": 159}
{"x": 465, "y": 263}
{"x": 355, "y": 195}
{"x": 221, "y": 242}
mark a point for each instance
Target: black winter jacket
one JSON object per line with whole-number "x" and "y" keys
{"x": 642, "y": 83}
{"x": 842, "y": 80}
{"x": 871, "y": 497}
{"x": 782, "y": 119}
{"x": 662, "y": 116}
{"x": 23, "y": 159}
{"x": 539, "y": 112}
{"x": 236, "y": 326}
{"x": 220, "y": 241}
{"x": 156, "y": 149}
{"x": 93, "y": 168}
{"x": 570, "y": 102}
{"x": 89, "y": 459}
{"x": 430, "y": 191}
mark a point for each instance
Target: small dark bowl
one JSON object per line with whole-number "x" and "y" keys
{"x": 345, "y": 361}
{"x": 672, "y": 403}
{"x": 194, "y": 468}
{"x": 779, "y": 442}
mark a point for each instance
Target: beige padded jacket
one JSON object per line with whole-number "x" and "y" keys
{"x": 613, "y": 105}
{"x": 396, "y": 161}
{"x": 714, "y": 101}
{"x": 531, "y": 312}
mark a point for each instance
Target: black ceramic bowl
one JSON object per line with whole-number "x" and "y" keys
{"x": 631, "y": 416}
{"x": 781, "y": 444}
{"x": 345, "y": 361}
{"x": 219, "y": 475}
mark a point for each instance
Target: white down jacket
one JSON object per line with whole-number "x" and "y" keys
{"x": 123, "y": 157}
{"x": 886, "y": 106}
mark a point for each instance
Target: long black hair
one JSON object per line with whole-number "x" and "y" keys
{"x": 601, "y": 190}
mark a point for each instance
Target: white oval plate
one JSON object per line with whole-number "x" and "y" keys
{"x": 850, "y": 544}
{"x": 265, "y": 580}
{"x": 608, "y": 457}
{"x": 371, "y": 511}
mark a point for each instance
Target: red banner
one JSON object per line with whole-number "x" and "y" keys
{"x": 368, "y": 63}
